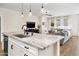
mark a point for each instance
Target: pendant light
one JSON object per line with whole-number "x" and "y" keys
{"x": 22, "y": 13}
{"x": 30, "y": 11}
{"x": 42, "y": 8}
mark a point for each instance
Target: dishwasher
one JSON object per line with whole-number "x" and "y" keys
{"x": 6, "y": 45}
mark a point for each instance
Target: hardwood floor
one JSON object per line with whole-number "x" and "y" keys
{"x": 1, "y": 51}
{"x": 71, "y": 48}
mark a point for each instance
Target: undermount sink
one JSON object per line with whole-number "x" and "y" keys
{"x": 21, "y": 35}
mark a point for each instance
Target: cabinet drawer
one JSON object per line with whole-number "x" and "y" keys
{"x": 30, "y": 49}
{"x": 28, "y": 54}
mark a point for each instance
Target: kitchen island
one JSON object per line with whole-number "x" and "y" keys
{"x": 33, "y": 45}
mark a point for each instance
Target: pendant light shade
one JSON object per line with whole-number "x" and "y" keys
{"x": 30, "y": 11}
{"x": 42, "y": 8}
{"x": 22, "y": 14}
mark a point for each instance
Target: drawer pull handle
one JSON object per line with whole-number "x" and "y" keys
{"x": 11, "y": 46}
{"x": 26, "y": 47}
{"x": 25, "y": 55}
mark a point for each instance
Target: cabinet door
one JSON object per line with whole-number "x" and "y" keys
{"x": 18, "y": 49}
{"x": 10, "y": 48}
{"x": 13, "y": 49}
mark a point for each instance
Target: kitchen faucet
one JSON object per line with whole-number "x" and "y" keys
{"x": 24, "y": 28}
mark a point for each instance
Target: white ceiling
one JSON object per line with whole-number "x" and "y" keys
{"x": 54, "y": 8}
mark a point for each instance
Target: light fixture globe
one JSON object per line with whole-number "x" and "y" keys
{"x": 42, "y": 9}
{"x": 30, "y": 12}
{"x": 22, "y": 14}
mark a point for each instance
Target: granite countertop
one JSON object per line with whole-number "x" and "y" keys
{"x": 40, "y": 41}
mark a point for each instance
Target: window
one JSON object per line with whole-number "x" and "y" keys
{"x": 58, "y": 22}
{"x": 65, "y": 21}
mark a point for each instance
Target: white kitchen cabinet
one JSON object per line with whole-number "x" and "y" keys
{"x": 16, "y": 48}
{"x": 19, "y": 51}
{"x": 10, "y": 50}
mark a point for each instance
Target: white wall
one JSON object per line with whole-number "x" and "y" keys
{"x": 11, "y": 21}
{"x": 73, "y": 23}
{"x": 78, "y": 27}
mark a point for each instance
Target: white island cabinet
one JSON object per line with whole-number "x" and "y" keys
{"x": 36, "y": 45}
{"x": 17, "y": 48}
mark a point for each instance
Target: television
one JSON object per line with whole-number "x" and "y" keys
{"x": 30, "y": 24}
